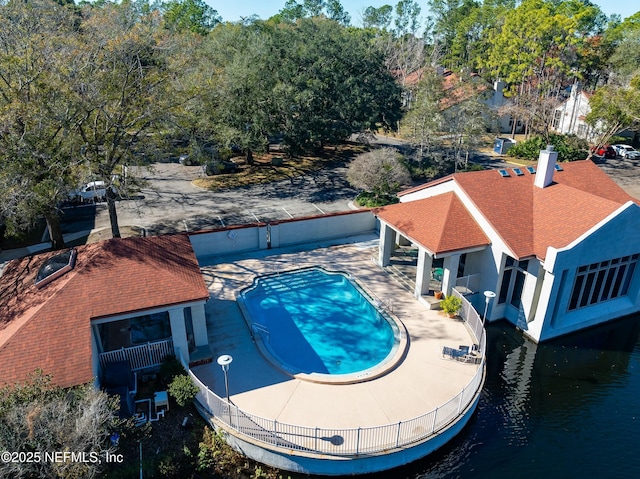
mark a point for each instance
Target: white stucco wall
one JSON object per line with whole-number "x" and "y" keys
{"x": 282, "y": 232}
{"x": 616, "y": 237}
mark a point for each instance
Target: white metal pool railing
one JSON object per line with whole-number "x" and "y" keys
{"x": 471, "y": 283}
{"x": 340, "y": 442}
{"x": 386, "y": 303}
{"x": 353, "y": 441}
{"x": 472, "y": 318}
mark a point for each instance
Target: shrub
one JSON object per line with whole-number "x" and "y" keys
{"x": 569, "y": 148}
{"x": 371, "y": 200}
{"x": 380, "y": 171}
{"x": 183, "y": 389}
{"x": 451, "y": 304}
{"x": 169, "y": 369}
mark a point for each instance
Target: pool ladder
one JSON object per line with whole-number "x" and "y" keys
{"x": 261, "y": 329}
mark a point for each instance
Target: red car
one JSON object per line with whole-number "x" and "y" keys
{"x": 606, "y": 151}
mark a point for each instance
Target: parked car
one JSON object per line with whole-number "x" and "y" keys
{"x": 606, "y": 151}
{"x": 220, "y": 167}
{"x": 626, "y": 151}
{"x": 92, "y": 191}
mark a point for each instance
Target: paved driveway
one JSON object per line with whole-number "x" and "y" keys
{"x": 171, "y": 203}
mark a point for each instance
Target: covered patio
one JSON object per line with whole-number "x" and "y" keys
{"x": 431, "y": 252}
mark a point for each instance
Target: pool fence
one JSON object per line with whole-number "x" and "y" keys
{"x": 349, "y": 441}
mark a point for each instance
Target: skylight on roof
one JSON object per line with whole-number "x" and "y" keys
{"x": 55, "y": 267}
{"x": 504, "y": 173}
{"x": 531, "y": 169}
{"x": 558, "y": 167}
{"x": 517, "y": 171}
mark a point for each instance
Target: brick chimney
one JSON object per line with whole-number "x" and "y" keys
{"x": 546, "y": 166}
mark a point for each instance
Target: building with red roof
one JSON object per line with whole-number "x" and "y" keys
{"x": 559, "y": 245}
{"x": 72, "y": 313}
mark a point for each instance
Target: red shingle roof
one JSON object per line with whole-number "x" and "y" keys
{"x": 50, "y": 327}
{"x": 530, "y": 219}
{"x": 440, "y": 223}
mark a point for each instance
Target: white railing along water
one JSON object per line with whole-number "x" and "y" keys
{"x": 352, "y": 441}
{"x": 473, "y": 320}
{"x": 469, "y": 284}
{"x": 146, "y": 355}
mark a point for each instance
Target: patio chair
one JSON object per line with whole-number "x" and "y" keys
{"x": 437, "y": 274}
{"x": 453, "y": 353}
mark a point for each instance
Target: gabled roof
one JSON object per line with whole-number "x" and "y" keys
{"x": 49, "y": 327}
{"x": 441, "y": 223}
{"x": 530, "y": 219}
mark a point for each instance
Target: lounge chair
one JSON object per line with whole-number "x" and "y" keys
{"x": 454, "y": 353}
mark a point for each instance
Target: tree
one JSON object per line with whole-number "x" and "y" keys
{"x": 625, "y": 60}
{"x": 380, "y": 171}
{"x": 615, "y": 108}
{"x": 333, "y": 83}
{"x": 190, "y": 15}
{"x": 39, "y": 417}
{"x": 407, "y": 18}
{"x": 467, "y": 122}
{"x": 335, "y": 11}
{"x": 292, "y": 11}
{"x": 122, "y": 89}
{"x": 243, "y": 103}
{"x": 37, "y": 112}
{"x": 532, "y": 51}
{"x": 378, "y": 18}
{"x": 424, "y": 122}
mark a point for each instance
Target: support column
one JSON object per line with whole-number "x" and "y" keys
{"x": 387, "y": 244}
{"x": 423, "y": 273}
{"x": 199, "y": 321}
{"x": 450, "y": 273}
{"x": 179, "y": 332}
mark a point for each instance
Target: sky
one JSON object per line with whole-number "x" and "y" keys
{"x": 234, "y": 10}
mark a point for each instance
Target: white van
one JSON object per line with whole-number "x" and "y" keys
{"x": 92, "y": 191}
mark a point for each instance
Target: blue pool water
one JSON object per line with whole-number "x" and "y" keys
{"x": 318, "y": 322}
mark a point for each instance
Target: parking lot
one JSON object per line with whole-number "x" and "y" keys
{"x": 170, "y": 202}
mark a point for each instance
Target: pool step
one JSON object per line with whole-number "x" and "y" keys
{"x": 292, "y": 282}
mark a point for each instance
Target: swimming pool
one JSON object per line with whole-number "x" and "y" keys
{"x": 317, "y": 322}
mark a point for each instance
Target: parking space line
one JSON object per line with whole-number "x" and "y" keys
{"x": 316, "y": 206}
{"x": 285, "y": 210}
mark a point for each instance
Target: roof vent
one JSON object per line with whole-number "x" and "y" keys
{"x": 517, "y": 171}
{"x": 55, "y": 267}
{"x": 504, "y": 173}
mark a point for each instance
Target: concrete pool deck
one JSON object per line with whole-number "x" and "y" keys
{"x": 421, "y": 382}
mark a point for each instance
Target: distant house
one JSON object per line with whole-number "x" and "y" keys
{"x": 569, "y": 118}
{"x": 73, "y": 313}
{"x": 498, "y": 103}
{"x": 559, "y": 246}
